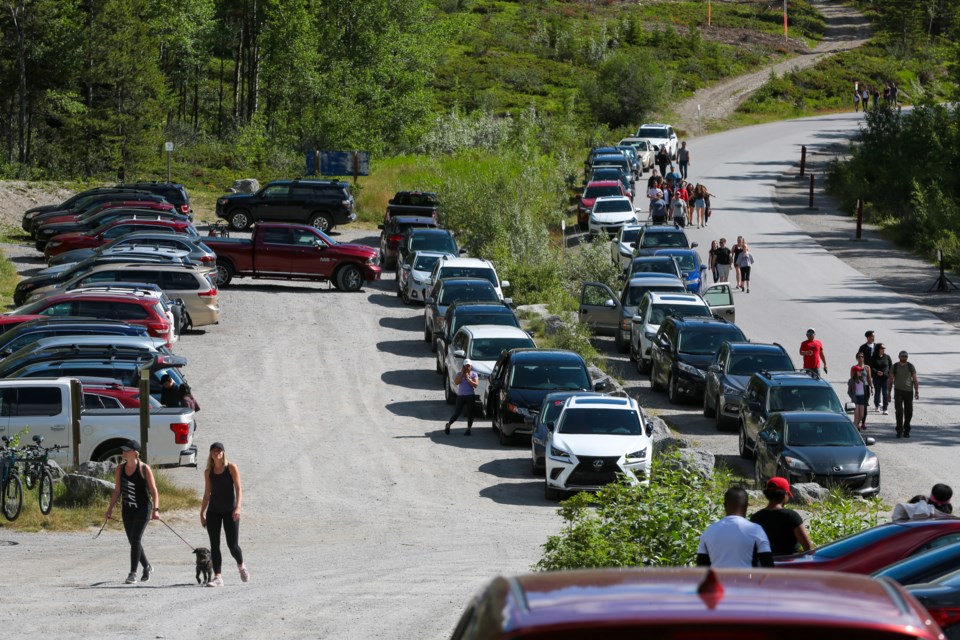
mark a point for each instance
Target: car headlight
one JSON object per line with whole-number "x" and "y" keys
{"x": 558, "y": 453}
{"x": 730, "y": 391}
{"x": 418, "y": 280}
{"x": 641, "y": 454}
{"x": 870, "y": 464}
{"x": 686, "y": 368}
{"x": 520, "y": 411}
{"x": 54, "y": 243}
{"x": 795, "y": 464}
{"x": 374, "y": 259}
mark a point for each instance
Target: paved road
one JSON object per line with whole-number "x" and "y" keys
{"x": 362, "y": 520}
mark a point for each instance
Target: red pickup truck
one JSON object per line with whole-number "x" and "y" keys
{"x": 280, "y": 251}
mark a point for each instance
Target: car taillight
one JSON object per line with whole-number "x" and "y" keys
{"x": 207, "y": 259}
{"x": 161, "y": 329}
{"x": 208, "y": 294}
{"x": 395, "y": 238}
{"x": 946, "y": 616}
{"x": 184, "y": 208}
{"x": 181, "y": 432}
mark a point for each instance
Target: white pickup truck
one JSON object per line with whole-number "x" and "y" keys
{"x": 43, "y": 406}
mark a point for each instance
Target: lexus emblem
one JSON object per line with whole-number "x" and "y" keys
{"x": 838, "y": 468}
{"x": 597, "y": 465}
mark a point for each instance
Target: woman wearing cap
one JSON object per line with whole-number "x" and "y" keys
{"x": 466, "y": 381}
{"x": 860, "y": 387}
{"x": 784, "y": 527}
{"x": 141, "y": 503}
{"x": 222, "y": 497}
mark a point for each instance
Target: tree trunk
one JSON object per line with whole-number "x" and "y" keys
{"x": 237, "y": 76}
{"x": 253, "y": 70}
{"x": 16, "y": 16}
{"x": 196, "y": 97}
{"x": 220, "y": 103}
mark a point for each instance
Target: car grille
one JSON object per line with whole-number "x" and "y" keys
{"x": 587, "y": 475}
{"x": 846, "y": 482}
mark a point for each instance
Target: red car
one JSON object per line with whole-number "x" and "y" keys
{"x": 875, "y": 548}
{"x": 596, "y": 189}
{"x": 110, "y": 230}
{"x": 694, "y": 604}
{"x": 143, "y": 308}
{"x": 113, "y": 395}
{"x": 122, "y": 204}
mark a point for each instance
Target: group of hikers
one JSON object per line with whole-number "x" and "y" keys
{"x": 862, "y": 95}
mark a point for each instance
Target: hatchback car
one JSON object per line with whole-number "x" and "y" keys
{"x": 821, "y": 447}
{"x": 413, "y": 275}
{"x": 656, "y": 237}
{"x": 693, "y": 604}
{"x": 609, "y": 214}
{"x": 520, "y": 380}
{"x": 653, "y": 308}
{"x": 595, "y": 189}
{"x": 683, "y": 349}
{"x": 391, "y": 235}
{"x": 593, "y": 441}
{"x": 465, "y": 313}
{"x": 690, "y": 265}
{"x": 482, "y": 344}
{"x": 139, "y": 241}
{"x": 729, "y": 373}
{"x": 446, "y": 292}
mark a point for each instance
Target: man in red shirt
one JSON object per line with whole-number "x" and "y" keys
{"x": 812, "y": 351}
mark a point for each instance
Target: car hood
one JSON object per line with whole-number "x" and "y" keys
{"x": 73, "y": 236}
{"x": 422, "y": 276}
{"x": 55, "y": 270}
{"x": 74, "y": 255}
{"x": 825, "y": 460}
{"x": 49, "y": 231}
{"x": 236, "y": 197}
{"x": 483, "y": 367}
{"x": 599, "y": 445}
{"x": 737, "y": 382}
{"x": 355, "y": 250}
{"x": 613, "y": 217}
{"x": 700, "y": 361}
{"x": 626, "y": 249}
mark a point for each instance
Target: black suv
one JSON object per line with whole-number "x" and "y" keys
{"x": 391, "y": 235}
{"x": 772, "y": 391}
{"x": 728, "y": 374}
{"x": 520, "y": 381}
{"x": 467, "y": 312}
{"x": 682, "y": 350}
{"x": 661, "y": 236}
{"x": 175, "y": 194}
{"x": 319, "y": 203}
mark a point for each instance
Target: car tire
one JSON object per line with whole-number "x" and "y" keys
{"x": 505, "y": 440}
{"x": 673, "y": 393}
{"x": 240, "y": 220}
{"x": 551, "y": 494}
{"x": 223, "y": 273}
{"x": 654, "y": 385}
{"x": 720, "y": 420}
{"x": 538, "y": 470}
{"x": 642, "y": 365}
{"x": 448, "y": 393}
{"x": 438, "y": 365}
{"x": 349, "y": 278}
{"x": 744, "y": 450}
{"x": 709, "y": 410}
{"x": 321, "y": 222}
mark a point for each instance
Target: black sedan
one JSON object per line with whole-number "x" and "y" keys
{"x": 816, "y": 446}
{"x": 942, "y": 599}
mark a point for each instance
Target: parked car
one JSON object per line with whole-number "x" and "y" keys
{"x": 450, "y": 266}
{"x": 70, "y": 203}
{"x": 660, "y": 135}
{"x": 693, "y": 604}
{"x": 621, "y": 247}
{"x": 447, "y": 291}
{"x": 611, "y": 173}
{"x": 437, "y": 240}
{"x": 145, "y": 344}
{"x": 610, "y": 214}
{"x": 112, "y": 230}
{"x": 595, "y": 440}
{"x": 413, "y": 203}
{"x": 650, "y": 313}
{"x": 821, "y": 447}
{"x": 941, "y": 598}
{"x": 631, "y": 154}
{"x": 91, "y": 204}
{"x": 48, "y": 327}
{"x": 644, "y": 150}
{"x": 108, "y": 394}
{"x": 322, "y": 204}
{"x": 656, "y": 237}
{"x": 391, "y": 235}
{"x": 663, "y": 265}
{"x": 877, "y": 547}
{"x": 522, "y": 377}
{"x": 468, "y": 312}
{"x": 923, "y": 567}
{"x": 770, "y": 391}
{"x": 413, "y": 275}
{"x": 137, "y": 242}
{"x": 616, "y": 159}
{"x": 683, "y": 349}
{"x": 172, "y": 192}
{"x": 280, "y": 251}
{"x": 482, "y": 344}
{"x": 729, "y": 373}
{"x": 689, "y": 262}
{"x": 173, "y": 308}
{"x": 46, "y": 231}
{"x": 544, "y": 422}
{"x": 606, "y": 313}
{"x": 594, "y": 190}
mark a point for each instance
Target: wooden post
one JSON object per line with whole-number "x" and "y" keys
{"x": 859, "y": 219}
{"x": 803, "y": 159}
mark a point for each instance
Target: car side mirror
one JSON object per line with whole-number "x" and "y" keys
{"x": 462, "y": 251}
{"x": 508, "y": 302}
{"x": 504, "y": 283}
{"x": 551, "y": 426}
{"x": 405, "y": 267}
{"x": 609, "y": 303}
{"x": 870, "y": 441}
{"x": 648, "y": 428}
{"x": 849, "y": 407}
{"x": 459, "y": 353}
{"x": 600, "y": 386}
{"x": 703, "y": 267}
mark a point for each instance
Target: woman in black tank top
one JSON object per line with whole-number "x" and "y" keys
{"x": 140, "y": 504}
{"x": 222, "y": 497}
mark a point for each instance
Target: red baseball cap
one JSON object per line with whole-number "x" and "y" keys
{"x": 780, "y": 484}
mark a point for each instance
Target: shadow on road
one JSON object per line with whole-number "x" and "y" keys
{"x": 422, "y": 379}
{"x": 518, "y": 493}
{"x": 411, "y": 323}
{"x": 409, "y": 348}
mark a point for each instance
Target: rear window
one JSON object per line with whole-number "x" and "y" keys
{"x": 686, "y": 261}
{"x": 857, "y": 541}
{"x": 612, "y": 206}
{"x": 706, "y": 340}
{"x": 629, "y": 235}
{"x": 441, "y": 243}
{"x": 665, "y": 266}
{"x": 653, "y": 132}
{"x": 468, "y": 272}
{"x": 466, "y": 319}
{"x": 491, "y": 348}
{"x": 553, "y": 376}
{"x": 749, "y": 363}
{"x": 449, "y": 295}
{"x": 598, "y": 192}
{"x": 661, "y": 311}
{"x": 805, "y": 398}
{"x": 665, "y": 239}
{"x": 607, "y": 422}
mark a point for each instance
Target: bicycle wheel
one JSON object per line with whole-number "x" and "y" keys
{"x": 29, "y": 479}
{"x": 12, "y": 498}
{"x": 45, "y": 492}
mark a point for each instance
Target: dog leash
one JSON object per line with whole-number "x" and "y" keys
{"x": 192, "y": 548}
{"x": 105, "y": 520}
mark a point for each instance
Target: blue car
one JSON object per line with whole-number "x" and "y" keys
{"x": 690, "y": 265}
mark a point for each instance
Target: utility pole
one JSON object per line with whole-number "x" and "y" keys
{"x": 708, "y": 13}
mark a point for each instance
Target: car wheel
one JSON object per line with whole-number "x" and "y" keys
{"x": 438, "y": 364}
{"x": 448, "y": 393}
{"x": 721, "y": 421}
{"x": 223, "y": 273}
{"x": 745, "y": 452}
{"x": 405, "y": 296}
{"x": 505, "y": 440}
{"x": 642, "y": 365}
{"x": 708, "y": 408}
{"x": 551, "y": 494}
{"x": 427, "y": 333}
{"x": 240, "y": 220}
{"x": 322, "y": 222}
{"x": 673, "y": 393}
{"x": 654, "y": 385}
{"x": 349, "y": 278}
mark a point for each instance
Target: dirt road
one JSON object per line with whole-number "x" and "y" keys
{"x": 847, "y": 29}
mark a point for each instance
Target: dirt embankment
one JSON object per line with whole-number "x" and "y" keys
{"x": 16, "y": 196}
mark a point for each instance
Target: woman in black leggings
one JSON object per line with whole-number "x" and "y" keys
{"x": 222, "y": 497}
{"x": 135, "y": 484}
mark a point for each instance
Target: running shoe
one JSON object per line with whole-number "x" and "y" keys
{"x": 131, "y": 578}
{"x": 244, "y": 573}
{"x": 147, "y": 572}
{"x": 216, "y": 582}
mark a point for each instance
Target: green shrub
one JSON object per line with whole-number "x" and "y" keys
{"x": 842, "y": 515}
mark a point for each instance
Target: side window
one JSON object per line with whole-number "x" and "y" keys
{"x": 131, "y": 312}
{"x": 936, "y": 543}
{"x": 642, "y": 309}
{"x": 99, "y": 276}
{"x": 92, "y": 401}
{"x": 301, "y": 191}
{"x": 142, "y": 275}
{"x": 38, "y": 401}
{"x": 276, "y": 191}
{"x": 8, "y": 401}
{"x": 753, "y": 391}
{"x": 179, "y": 281}
{"x": 718, "y": 296}
{"x": 61, "y": 309}
{"x": 276, "y": 236}
{"x": 303, "y": 238}
{"x": 594, "y": 295}
{"x": 776, "y": 427}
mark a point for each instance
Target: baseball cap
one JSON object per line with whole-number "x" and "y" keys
{"x": 904, "y": 354}
{"x": 217, "y": 445}
{"x": 130, "y": 445}
{"x": 811, "y": 330}
{"x": 779, "y": 484}
{"x": 468, "y": 362}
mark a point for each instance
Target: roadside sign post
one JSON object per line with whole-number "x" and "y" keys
{"x": 859, "y": 220}
{"x": 563, "y": 235}
{"x": 699, "y": 121}
{"x": 168, "y": 147}
{"x": 144, "y": 408}
{"x": 785, "y": 20}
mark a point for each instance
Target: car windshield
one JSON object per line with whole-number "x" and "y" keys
{"x": 501, "y": 319}
{"x": 468, "y": 272}
{"x": 661, "y": 311}
{"x": 635, "y": 292}
{"x": 491, "y": 348}
{"x": 804, "y": 399}
{"x": 666, "y": 239}
{"x": 629, "y": 235}
{"x": 449, "y": 295}
{"x": 425, "y": 263}
{"x": 439, "y": 242}
{"x": 686, "y": 261}
{"x": 749, "y": 363}
{"x": 660, "y": 266}
{"x": 855, "y": 542}
{"x": 653, "y": 132}
{"x": 548, "y": 376}
{"x": 607, "y": 422}
{"x": 811, "y": 433}
{"x": 551, "y": 411}
{"x": 597, "y": 192}
{"x": 706, "y": 340}
{"x": 612, "y": 206}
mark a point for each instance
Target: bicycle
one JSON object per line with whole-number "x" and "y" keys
{"x": 218, "y": 229}
{"x": 11, "y": 489}
{"x": 36, "y": 471}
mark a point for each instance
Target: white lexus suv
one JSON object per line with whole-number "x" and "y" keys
{"x": 593, "y": 440}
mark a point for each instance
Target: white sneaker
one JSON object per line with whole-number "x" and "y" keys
{"x": 884, "y": 412}
{"x": 131, "y": 578}
{"x": 216, "y": 582}
{"x": 244, "y": 573}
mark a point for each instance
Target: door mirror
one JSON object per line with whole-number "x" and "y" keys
{"x": 405, "y": 267}
{"x": 849, "y": 407}
{"x": 504, "y": 283}
{"x": 870, "y": 441}
{"x": 694, "y": 245}
{"x": 459, "y": 353}
{"x": 551, "y": 426}
{"x": 600, "y": 386}
{"x": 648, "y": 428}
{"x": 609, "y": 303}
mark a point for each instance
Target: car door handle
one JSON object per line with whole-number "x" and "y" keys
{"x": 58, "y": 427}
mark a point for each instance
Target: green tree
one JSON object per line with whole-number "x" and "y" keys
{"x": 626, "y": 86}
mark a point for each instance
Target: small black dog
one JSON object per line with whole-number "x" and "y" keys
{"x": 204, "y": 564}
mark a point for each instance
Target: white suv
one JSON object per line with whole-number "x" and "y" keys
{"x": 651, "y": 311}
{"x": 455, "y": 267}
{"x": 659, "y": 135}
{"x": 610, "y": 213}
{"x": 593, "y": 440}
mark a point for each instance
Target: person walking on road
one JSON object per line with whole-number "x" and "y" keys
{"x": 882, "y": 364}
{"x": 222, "y": 500}
{"x": 859, "y": 387}
{"x": 466, "y": 381}
{"x": 906, "y": 389}
{"x": 734, "y": 542}
{"x": 140, "y": 504}
{"x": 662, "y": 159}
{"x": 712, "y": 260}
{"x": 744, "y": 266}
{"x": 869, "y": 349}
{"x": 737, "y": 250}
{"x": 683, "y": 159}
{"x": 724, "y": 257}
{"x": 856, "y": 100}
{"x": 784, "y": 527}
{"x": 701, "y": 198}
{"x": 812, "y": 351}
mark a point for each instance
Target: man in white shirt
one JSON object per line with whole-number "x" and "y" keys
{"x": 734, "y": 542}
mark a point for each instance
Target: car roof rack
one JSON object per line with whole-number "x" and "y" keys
{"x": 810, "y": 373}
